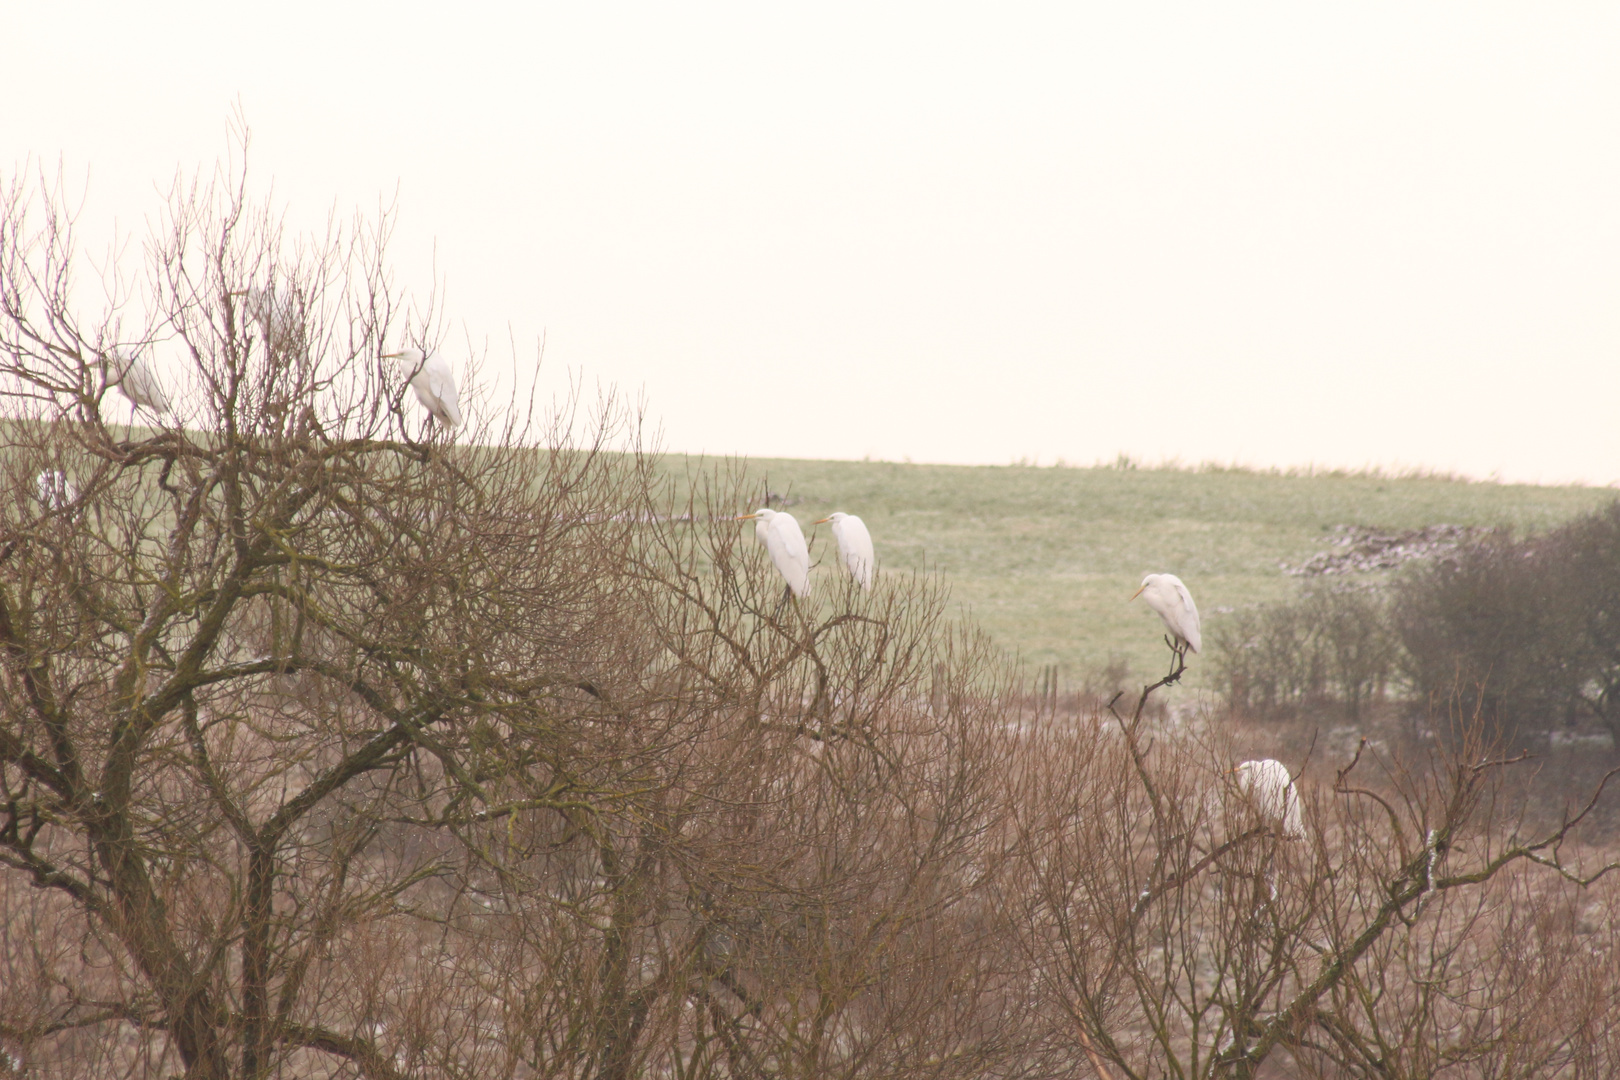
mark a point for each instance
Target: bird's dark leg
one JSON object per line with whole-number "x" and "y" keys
{"x": 1178, "y": 659}
{"x": 787, "y": 596}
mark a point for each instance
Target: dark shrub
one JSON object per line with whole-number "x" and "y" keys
{"x": 1526, "y": 631}
{"x": 1332, "y": 646}
{"x": 1590, "y": 549}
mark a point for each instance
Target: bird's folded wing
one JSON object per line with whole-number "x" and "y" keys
{"x": 443, "y": 387}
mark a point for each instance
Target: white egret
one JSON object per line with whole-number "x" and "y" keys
{"x": 1271, "y": 789}
{"x": 1166, "y": 594}
{"x": 785, "y": 541}
{"x": 275, "y": 315}
{"x": 135, "y": 379}
{"x": 55, "y": 489}
{"x": 854, "y": 544}
{"x": 434, "y": 383}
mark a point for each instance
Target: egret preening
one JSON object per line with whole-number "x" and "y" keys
{"x": 854, "y": 545}
{"x": 782, "y": 537}
{"x": 135, "y": 379}
{"x": 435, "y": 385}
{"x": 1166, "y": 594}
{"x": 1271, "y": 789}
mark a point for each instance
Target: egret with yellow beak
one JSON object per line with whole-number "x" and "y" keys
{"x": 434, "y": 383}
{"x": 1166, "y": 594}
{"x": 854, "y": 546}
{"x": 782, "y": 537}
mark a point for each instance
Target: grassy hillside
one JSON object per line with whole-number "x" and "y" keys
{"x": 1045, "y": 558}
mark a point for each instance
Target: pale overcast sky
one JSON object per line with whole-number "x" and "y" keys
{"x": 1277, "y": 234}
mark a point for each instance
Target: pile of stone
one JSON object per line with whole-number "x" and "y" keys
{"x": 1359, "y": 549}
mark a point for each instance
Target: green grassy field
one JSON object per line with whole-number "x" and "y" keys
{"x": 1045, "y": 558}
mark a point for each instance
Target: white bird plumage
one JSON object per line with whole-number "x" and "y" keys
{"x": 128, "y": 370}
{"x": 434, "y": 383}
{"x": 1166, "y": 595}
{"x": 276, "y": 316}
{"x": 55, "y": 489}
{"x": 854, "y": 546}
{"x": 1271, "y": 789}
{"x": 784, "y": 540}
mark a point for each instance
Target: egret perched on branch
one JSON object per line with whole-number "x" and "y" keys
{"x": 782, "y": 537}
{"x": 433, "y": 382}
{"x": 1271, "y": 789}
{"x": 55, "y": 489}
{"x": 275, "y": 315}
{"x": 1166, "y": 594}
{"x": 135, "y": 379}
{"x": 854, "y": 545}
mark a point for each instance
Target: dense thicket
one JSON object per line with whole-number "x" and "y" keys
{"x": 330, "y": 746}
{"x": 1522, "y": 633}
{"x": 1526, "y": 631}
{"x": 1335, "y": 647}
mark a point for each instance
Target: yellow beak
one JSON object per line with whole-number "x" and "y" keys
{"x": 1135, "y": 594}
{"x": 823, "y": 521}
{"x": 745, "y": 517}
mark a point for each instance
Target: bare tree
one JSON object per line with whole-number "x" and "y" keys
{"x": 793, "y": 881}
{"x": 330, "y": 748}
{"x": 254, "y": 635}
{"x": 1179, "y": 932}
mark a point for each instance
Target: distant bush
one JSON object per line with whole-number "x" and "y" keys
{"x": 1495, "y": 627}
{"x": 1522, "y": 631}
{"x": 1332, "y": 646}
{"x": 1592, "y": 546}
